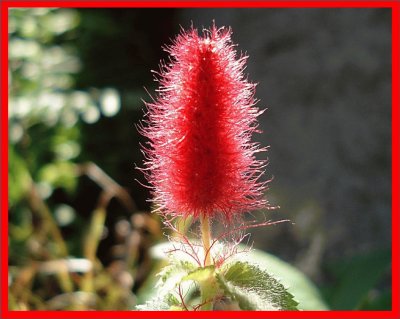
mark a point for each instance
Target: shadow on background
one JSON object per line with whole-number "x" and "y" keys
{"x": 78, "y": 78}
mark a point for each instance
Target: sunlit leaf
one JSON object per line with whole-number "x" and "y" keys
{"x": 255, "y": 289}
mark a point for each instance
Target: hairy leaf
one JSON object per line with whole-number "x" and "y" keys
{"x": 254, "y": 289}
{"x": 172, "y": 275}
{"x": 169, "y": 278}
{"x": 166, "y": 302}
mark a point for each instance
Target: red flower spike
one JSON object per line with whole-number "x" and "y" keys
{"x": 200, "y": 159}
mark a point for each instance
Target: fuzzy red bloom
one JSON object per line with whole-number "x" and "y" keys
{"x": 200, "y": 158}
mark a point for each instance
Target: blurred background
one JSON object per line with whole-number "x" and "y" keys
{"x": 80, "y": 226}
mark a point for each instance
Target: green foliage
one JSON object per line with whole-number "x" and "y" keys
{"x": 46, "y": 115}
{"x": 170, "y": 277}
{"x": 184, "y": 285}
{"x": 45, "y": 111}
{"x": 355, "y": 279}
{"x": 18, "y": 176}
{"x": 255, "y": 289}
{"x": 284, "y": 274}
{"x": 59, "y": 174}
{"x": 173, "y": 274}
{"x": 168, "y": 302}
{"x": 305, "y": 291}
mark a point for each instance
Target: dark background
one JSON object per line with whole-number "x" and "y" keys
{"x": 325, "y": 77}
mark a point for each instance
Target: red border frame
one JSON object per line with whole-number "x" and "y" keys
{"x": 394, "y": 5}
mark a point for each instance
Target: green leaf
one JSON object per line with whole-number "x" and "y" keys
{"x": 202, "y": 275}
{"x": 307, "y": 294}
{"x": 172, "y": 275}
{"x": 254, "y": 289}
{"x": 169, "y": 278}
{"x": 356, "y": 276}
{"x": 167, "y": 302}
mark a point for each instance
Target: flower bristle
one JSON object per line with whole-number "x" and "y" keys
{"x": 200, "y": 159}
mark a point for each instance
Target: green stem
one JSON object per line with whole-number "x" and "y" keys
{"x": 208, "y": 305}
{"x": 206, "y": 236}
